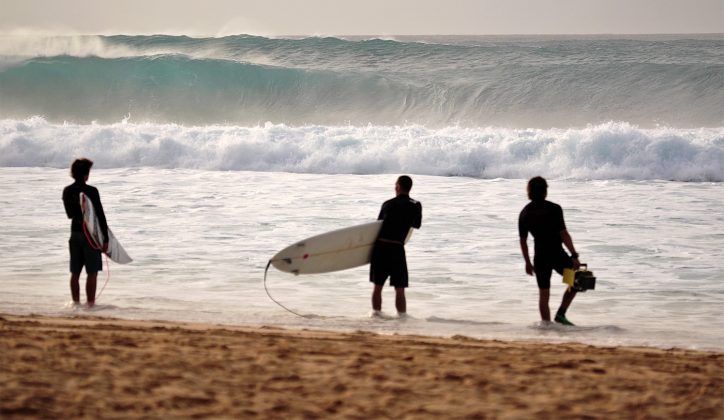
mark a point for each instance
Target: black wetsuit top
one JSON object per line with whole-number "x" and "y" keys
{"x": 544, "y": 220}
{"x": 71, "y": 201}
{"x": 399, "y": 215}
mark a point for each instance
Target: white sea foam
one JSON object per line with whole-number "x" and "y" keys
{"x": 606, "y": 151}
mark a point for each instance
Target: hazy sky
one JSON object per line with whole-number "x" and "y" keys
{"x": 362, "y": 17}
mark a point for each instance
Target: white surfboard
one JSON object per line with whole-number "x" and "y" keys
{"x": 93, "y": 232}
{"x": 332, "y": 251}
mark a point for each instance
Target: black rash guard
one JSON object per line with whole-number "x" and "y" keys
{"x": 71, "y": 201}
{"x": 544, "y": 220}
{"x": 399, "y": 215}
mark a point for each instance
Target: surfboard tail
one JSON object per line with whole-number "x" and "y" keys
{"x": 116, "y": 252}
{"x": 95, "y": 237}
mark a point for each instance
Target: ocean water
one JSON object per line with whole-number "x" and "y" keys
{"x": 213, "y": 154}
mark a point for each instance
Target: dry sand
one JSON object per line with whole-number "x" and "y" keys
{"x": 105, "y": 368}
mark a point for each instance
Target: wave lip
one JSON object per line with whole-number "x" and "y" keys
{"x": 614, "y": 150}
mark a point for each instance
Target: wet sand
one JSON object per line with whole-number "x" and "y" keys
{"x": 107, "y": 368}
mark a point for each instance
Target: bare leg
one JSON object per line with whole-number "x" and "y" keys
{"x": 400, "y": 301}
{"x": 75, "y": 287}
{"x": 377, "y": 298}
{"x": 544, "y": 295}
{"x": 90, "y": 288}
{"x": 567, "y": 299}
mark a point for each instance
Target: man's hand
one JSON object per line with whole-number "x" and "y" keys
{"x": 529, "y": 268}
{"x": 105, "y": 247}
{"x": 576, "y": 264}
{"x": 526, "y": 256}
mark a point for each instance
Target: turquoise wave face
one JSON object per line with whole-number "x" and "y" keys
{"x": 464, "y": 81}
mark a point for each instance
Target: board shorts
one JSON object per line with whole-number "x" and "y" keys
{"x": 81, "y": 254}
{"x": 388, "y": 260}
{"x": 544, "y": 266}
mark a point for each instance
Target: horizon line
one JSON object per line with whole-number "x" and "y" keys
{"x": 317, "y": 35}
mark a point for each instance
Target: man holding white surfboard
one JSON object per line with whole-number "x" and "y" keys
{"x": 81, "y": 252}
{"x": 388, "y": 259}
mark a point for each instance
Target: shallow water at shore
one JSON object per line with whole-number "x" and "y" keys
{"x": 201, "y": 239}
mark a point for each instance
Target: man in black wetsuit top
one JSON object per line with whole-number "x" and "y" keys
{"x": 81, "y": 252}
{"x": 398, "y": 215}
{"x": 544, "y": 220}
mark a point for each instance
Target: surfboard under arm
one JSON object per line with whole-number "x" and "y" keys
{"x": 92, "y": 228}
{"x": 332, "y": 251}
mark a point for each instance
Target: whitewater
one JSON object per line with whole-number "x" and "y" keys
{"x": 211, "y": 154}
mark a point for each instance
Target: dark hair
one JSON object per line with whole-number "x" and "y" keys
{"x": 537, "y": 188}
{"x": 80, "y": 168}
{"x": 405, "y": 183}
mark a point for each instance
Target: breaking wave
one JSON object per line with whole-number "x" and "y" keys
{"x": 612, "y": 150}
{"x": 460, "y": 81}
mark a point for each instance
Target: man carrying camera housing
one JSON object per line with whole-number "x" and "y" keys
{"x": 544, "y": 220}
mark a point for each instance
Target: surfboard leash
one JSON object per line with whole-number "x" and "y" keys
{"x": 108, "y": 277}
{"x": 274, "y": 300}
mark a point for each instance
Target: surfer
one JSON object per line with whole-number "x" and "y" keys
{"x": 544, "y": 220}
{"x": 81, "y": 252}
{"x": 398, "y": 216}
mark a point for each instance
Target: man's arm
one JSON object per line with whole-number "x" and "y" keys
{"x": 526, "y": 256}
{"x": 523, "y": 235}
{"x": 381, "y": 215}
{"x": 418, "y": 219}
{"x": 568, "y": 242}
{"x": 66, "y": 203}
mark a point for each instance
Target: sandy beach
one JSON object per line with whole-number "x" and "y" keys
{"x": 104, "y": 368}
